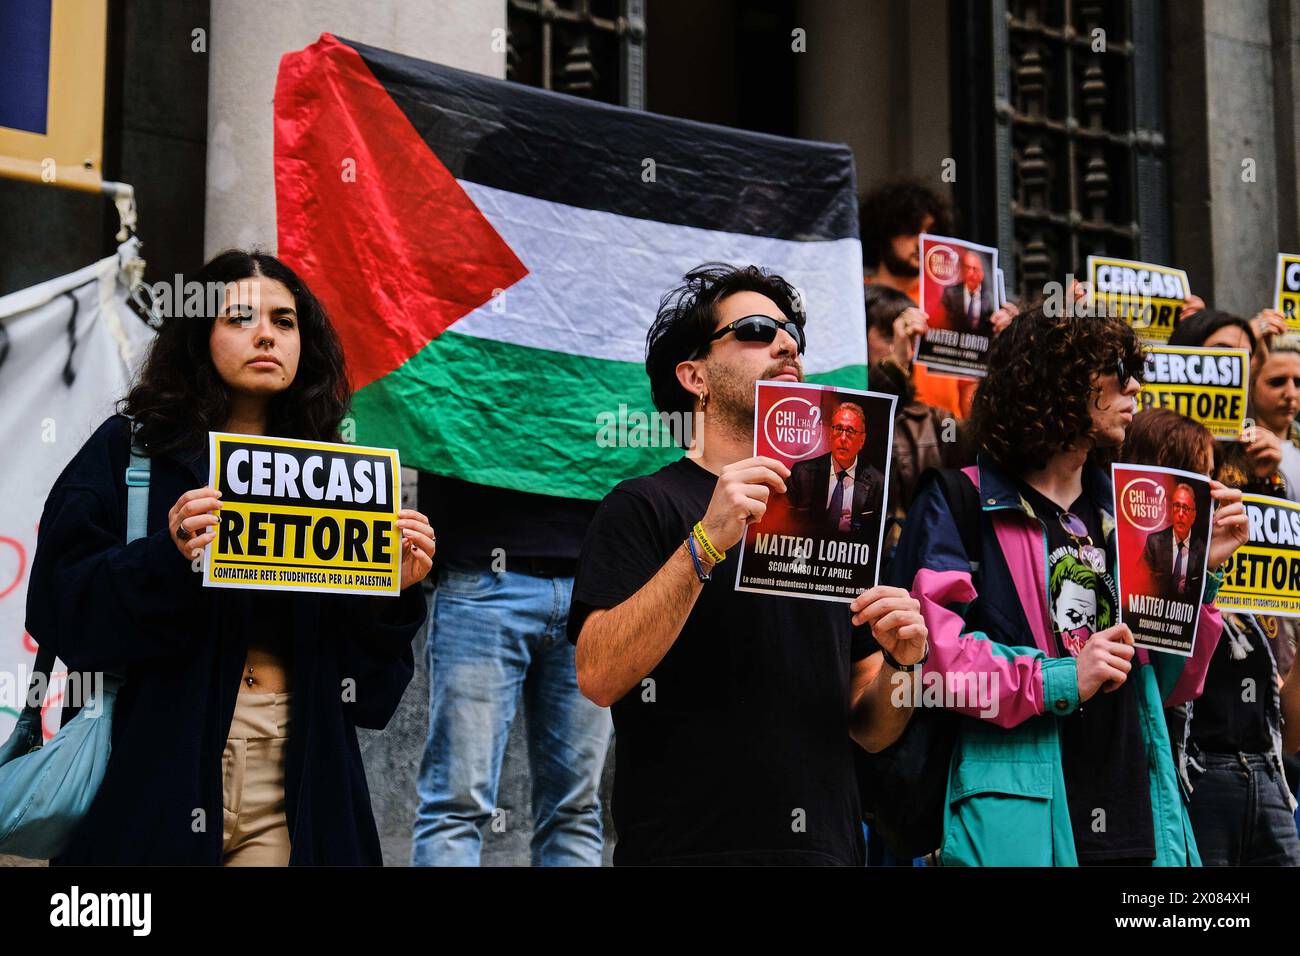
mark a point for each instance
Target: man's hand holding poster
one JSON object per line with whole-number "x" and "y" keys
{"x": 1147, "y": 296}
{"x": 1209, "y": 386}
{"x": 1263, "y": 577}
{"x": 1163, "y": 521}
{"x": 959, "y": 294}
{"x": 821, "y": 539}
{"x": 304, "y": 516}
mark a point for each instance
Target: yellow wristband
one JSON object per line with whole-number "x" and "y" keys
{"x": 702, "y": 539}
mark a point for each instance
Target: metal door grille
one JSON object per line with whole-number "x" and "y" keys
{"x": 591, "y": 48}
{"x": 1079, "y": 139}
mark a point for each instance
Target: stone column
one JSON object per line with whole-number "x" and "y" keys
{"x": 247, "y": 39}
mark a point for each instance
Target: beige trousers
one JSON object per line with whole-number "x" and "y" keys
{"x": 254, "y": 829}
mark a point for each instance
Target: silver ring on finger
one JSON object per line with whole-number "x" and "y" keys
{"x": 183, "y": 533}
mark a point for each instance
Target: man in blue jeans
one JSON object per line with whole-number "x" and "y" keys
{"x": 496, "y": 637}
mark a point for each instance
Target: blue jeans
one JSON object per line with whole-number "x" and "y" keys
{"x": 492, "y": 637}
{"x": 1240, "y": 812}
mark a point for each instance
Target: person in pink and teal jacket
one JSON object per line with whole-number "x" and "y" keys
{"x": 1062, "y": 757}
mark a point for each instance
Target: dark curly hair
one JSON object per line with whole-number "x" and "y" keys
{"x": 179, "y": 396}
{"x": 1041, "y": 385}
{"x": 686, "y": 319}
{"x": 897, "y": 208}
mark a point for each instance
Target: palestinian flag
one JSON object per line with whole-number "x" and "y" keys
{"x": 493, "y": 255}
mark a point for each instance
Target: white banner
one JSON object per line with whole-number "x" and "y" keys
{"x": 59, "y": 379}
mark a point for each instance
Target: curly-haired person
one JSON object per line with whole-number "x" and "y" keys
{"x": 1069, "y": 762}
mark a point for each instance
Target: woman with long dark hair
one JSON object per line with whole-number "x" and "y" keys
{"x": 234, "y": 734}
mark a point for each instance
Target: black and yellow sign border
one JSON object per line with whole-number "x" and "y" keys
{"x": 1222, "y": 430}
{"x": 1281, "y": 297}
{"x": 346, "y": 572}
{"x": 1263, "y": 600}
{"x": 1095, "y": 261}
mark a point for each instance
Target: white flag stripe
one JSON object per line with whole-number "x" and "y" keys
{"x": 595, "y": 278}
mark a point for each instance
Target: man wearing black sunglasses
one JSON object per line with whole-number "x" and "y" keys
{"x": 733, "y": 710}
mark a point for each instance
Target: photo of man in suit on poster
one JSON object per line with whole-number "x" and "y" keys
{"x": 1175, "y": 557}
{"x": 970, "y": 302}
{"x": 839, "y": 493}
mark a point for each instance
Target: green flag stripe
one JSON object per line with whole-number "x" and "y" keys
{"x": 533, "y": 420}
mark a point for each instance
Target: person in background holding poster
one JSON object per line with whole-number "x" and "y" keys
{"x": 1228, "y": 743}
{"x": 891, "y": 219}
{"x": 958, "y": 295}
{"x": 234, "y": 735}
{"x": 1032, "y": 621}
{"x": 733, "y": 710}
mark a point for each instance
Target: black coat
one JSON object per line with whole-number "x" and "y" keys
{"x": 140, "y": 610}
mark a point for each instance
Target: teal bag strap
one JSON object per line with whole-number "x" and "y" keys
{"x": 137, "y": 515}
{"x": 137, "y": 490}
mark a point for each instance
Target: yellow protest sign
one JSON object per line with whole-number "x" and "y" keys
{"x": 304, "y": 516}
{"x": 1147, "y": 296}
{"x": 1263, "y": 577}
{"x": 1286, "y": 297}
{"x": 1207, "y": 385}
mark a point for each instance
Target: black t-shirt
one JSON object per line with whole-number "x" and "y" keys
{"x": 1231, "y": 716}
{"x": 739, "y": 751}
{"x": 1102, "y": 753}
{"x": 473, "y": 520}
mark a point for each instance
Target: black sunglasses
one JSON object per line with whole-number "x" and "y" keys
{"x": 761, "y": 328}
{"x": 1129, "y": 368}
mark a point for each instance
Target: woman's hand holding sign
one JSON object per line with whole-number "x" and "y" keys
{"x": 193, "y": 521}
{"x": 1268, "y": 323}
{"x": 908, "y": 329}
{"x": 1264, "y": 449}
{"x": 1231, "y": 524}
{"x": 1003, "y": 316}
{"x": 418, "y": 546}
